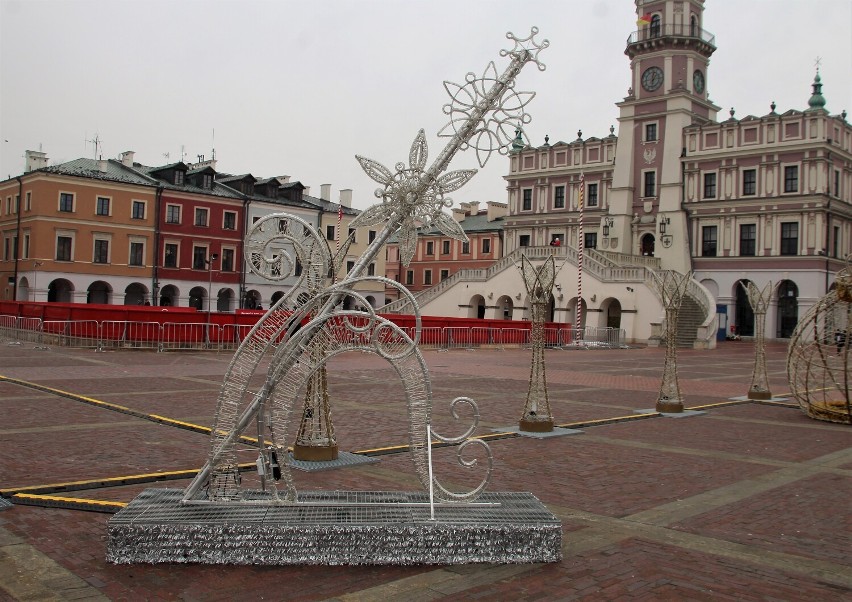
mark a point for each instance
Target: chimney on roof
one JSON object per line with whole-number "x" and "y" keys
{"x": 346, "y": 197}
{"x": 496, "y": 210}
{"x": 473, "y": 208}
{"x": 459, "y": 214}
{"x": 307, "y": 191}
{"x": 127, "y": 158}
{"x": 283, "y": 179}
{"x": 35, "y": 160}
{"x": 102, "y": 165}
{"x": 325, "y": 192}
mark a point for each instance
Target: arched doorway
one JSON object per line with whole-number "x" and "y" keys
{"x": 477, "y": 307}
{"x": 788, "y": 308}
{"x": 744, "y": 316}
{"x": 99, "y": 292}
{"x": 613, "y": 313}
{"x": 169, "y": 296}
{"x": 225, "y": 300}
{"x": 646, "y": 245}
{"x": 251, "y": 300}
{"x": 196, "y": 297}
{"x": 60, "y": 291}
{"x": 24, "y": 291}
{"x": 505, "y": 308}
{"x": 371, "y": 300}
{"x": 573, "y": 312}
{"x": 275, "y": 297}
{"x": 135, "y": 294}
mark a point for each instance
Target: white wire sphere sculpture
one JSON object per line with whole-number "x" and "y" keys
{"x": 818, "y": 358}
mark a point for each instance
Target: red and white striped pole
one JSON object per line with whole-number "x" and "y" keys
{"x": 580, "y": 245}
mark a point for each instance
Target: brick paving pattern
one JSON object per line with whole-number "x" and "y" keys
{"x": 744, "y": 502}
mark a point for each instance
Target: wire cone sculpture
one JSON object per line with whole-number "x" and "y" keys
{"x": 539, "y": 284}
{"x": 759, "y": 301}
{"x": 818, "y": 358}
{"x": 307, "y": 326}
{"x": 670, "y": 286}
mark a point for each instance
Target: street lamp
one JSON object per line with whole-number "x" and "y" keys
{"x": 209, "y": 262}
{"x": 36, "y": 266}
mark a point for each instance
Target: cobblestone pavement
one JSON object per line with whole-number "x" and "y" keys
{"x": 744, "y": 502}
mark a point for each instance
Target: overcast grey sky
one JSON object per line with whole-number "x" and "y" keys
{"x": 300, "y": 87}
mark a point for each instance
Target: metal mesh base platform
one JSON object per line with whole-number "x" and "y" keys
{"x": 334, "y": 528}
{"x": 343, "y": 459}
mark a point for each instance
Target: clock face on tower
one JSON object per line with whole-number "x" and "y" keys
{"x": 652, "y": 79}
{"x": 698, "y": 81}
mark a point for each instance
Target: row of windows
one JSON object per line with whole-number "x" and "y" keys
{"x": 591, "y": 198}
{"x": 12, "y": 205}
{"x": 590, "y": 240}
{"x": 65, "y": 251}
{"x": 427, "y": 277}
{"x": 331, "y": 234}
{"x": 103, "y": 205}
{"x": 748, "y": 240}
{"x": 202, "y": 217}
{"x": 465, "y": 250}
{"x": 749, "y": 182}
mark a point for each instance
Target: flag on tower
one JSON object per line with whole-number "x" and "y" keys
{"x": 644, "y": 20}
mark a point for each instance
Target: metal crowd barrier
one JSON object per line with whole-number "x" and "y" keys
{"x": 172, "y": 336}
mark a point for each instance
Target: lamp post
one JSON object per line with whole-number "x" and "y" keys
{"x": 36, "y": 266}
{"x": 209, "y": 262}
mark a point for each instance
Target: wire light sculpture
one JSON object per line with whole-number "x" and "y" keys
{"x": 670, "y": 286}
{"x": 759, "y": 301}
{"x": 307, "y": 326}
{"x": 818, "y": 358}
{"x": 539, "y": 284}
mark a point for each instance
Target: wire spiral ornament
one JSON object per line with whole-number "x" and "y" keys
{"x": 301, "y": 337}
{"x": 818, "y": 360}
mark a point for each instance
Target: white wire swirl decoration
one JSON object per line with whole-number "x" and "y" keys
{"x": 307, "y": 327}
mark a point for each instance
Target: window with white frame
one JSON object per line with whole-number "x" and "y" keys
{"x": 137, "y": 210}
{"x": 227, "y": 259}
{"x": 650, "y": 132}
{"x": 102, "y": 205}
{"x": 26, "y": 250}
{"x": 791, "y": 178}
{"x": 650, "y": 184}
{"x": 748, "y": 240}
{"x": 526, "y": 203}
{"x": 789, "y": 238}
{"x": 229, "y": 220}
{"x": 445, "y": 247}
{"x": 66, "y": 202}
{"x": 172, "y": 214}
{"x": 708, "y": 241}
{"x": 559, "y": 197}
{"x": 28, "y": 203}
{"x": 592, "y": 196}
{"x": 709, "y": 186}
{"x": 749, "y": 182}
{"x": 64, "y": 247}
{"x": 199, "y": 257}
{"x": 170, "y": 255}
{"x": 427, "y": 277}
{"x": 329, "y": 232}
{"x": 101, "y": 251}
{"x": 445, "y": 274}
{"x": 202, "y": 214}
{"x": 137, "y": 253}
{"x": 486, "y": 246}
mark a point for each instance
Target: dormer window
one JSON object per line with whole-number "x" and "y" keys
{"x": 248, "y": 188}
{"x": 179, "y": 174}
{"x": 207, "y": 181}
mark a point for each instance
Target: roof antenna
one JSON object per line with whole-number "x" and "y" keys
{"x": 96, "y": 143}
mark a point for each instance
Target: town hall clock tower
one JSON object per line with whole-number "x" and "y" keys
{"x": 669, "y": 54}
